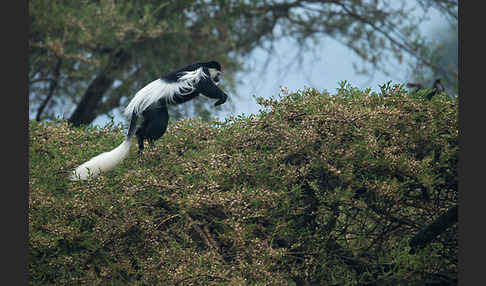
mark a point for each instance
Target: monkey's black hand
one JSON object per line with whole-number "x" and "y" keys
{"x": 221, "y": 100}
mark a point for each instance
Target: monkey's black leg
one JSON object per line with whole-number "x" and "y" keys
{"x": 153, "y": 126}
{"x": 140, "y": 139}
{"x": 157, "y": 125}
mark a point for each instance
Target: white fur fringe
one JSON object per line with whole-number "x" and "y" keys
{"x": 159, "y": 89}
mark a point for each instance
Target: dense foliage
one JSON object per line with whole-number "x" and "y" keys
{"x": 316, "y": 189}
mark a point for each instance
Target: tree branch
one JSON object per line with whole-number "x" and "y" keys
{"x": 431, "y": 231}
{"x": 85, "y": 111}
{"x": 115, "y": 96}
{"x": 386, "y": 34}
{"x": 52, "y": 87}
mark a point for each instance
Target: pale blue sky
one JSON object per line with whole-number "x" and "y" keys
{"x": 333, "y": 65}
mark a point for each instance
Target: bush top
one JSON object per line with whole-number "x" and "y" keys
{"x": 316, "y": 188}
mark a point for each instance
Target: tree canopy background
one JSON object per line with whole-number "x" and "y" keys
{"x": 87, "y": 58}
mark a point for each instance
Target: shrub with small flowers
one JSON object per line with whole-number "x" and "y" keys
{"x": 316, "y": 189}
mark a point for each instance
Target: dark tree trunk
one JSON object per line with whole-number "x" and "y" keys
{"x": 85, "y": 112}
{"x": 431, "y": 231}
{"x": 52, "y": 88}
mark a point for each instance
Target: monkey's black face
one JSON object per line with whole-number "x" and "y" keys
{"x": 216, "y": 79}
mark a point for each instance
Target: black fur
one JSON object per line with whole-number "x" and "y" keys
{"x": 175, "y": 75}
{"x": 154, "y": 125}
{"x": 156, "y": 117}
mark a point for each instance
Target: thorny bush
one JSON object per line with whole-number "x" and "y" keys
{"x": 316, "y": 189}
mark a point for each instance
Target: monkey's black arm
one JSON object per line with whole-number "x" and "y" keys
{"x": 209, "y": 89}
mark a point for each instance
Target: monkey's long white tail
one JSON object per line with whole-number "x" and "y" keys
{"x": 102, "y": 163}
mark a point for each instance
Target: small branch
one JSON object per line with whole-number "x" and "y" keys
{"x": 206, "y": 236}
{"x": 44, "y": 79}
{"x": 201, "y": 275}
{"x": 166, "y": 220}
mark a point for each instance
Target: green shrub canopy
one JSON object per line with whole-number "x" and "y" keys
{"x": 316, "y": 189}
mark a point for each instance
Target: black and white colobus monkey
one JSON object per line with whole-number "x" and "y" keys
{"x": 151, "y": 102}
